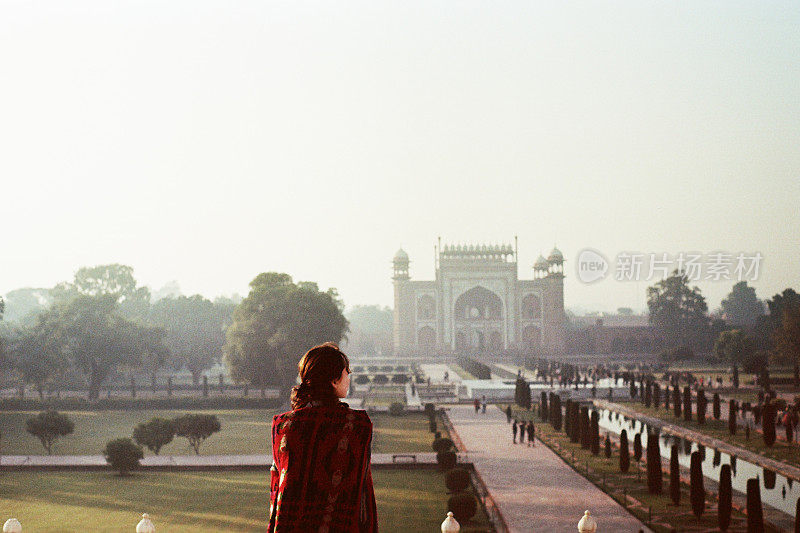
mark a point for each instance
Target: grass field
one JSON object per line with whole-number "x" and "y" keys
{"x": 244, "y": 431}
{"x": 408, "y": 500}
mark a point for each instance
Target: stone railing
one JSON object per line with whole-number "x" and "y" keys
{"x": 450, "y": 525}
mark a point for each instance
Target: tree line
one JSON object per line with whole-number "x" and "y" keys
{"x": 102, "y": 323}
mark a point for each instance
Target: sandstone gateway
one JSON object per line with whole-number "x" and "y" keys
{"x": 478, "y": 305}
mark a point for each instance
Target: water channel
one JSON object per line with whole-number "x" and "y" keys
{"x": 776, "y": 490}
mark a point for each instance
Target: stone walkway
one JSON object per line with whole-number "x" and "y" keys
{"x": 188, "y": 462}
{"x": 533, "y": 488}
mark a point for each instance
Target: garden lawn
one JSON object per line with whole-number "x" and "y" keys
{"x": 56, "y": 502}
{"x": 244, "y": 431}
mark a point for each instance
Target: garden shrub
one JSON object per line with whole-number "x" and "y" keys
{"x": 123, "y": 455}
{"x": 457, "y": 480}
{"x": 463, "y": 506}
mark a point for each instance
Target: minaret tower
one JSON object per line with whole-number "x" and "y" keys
{"x": 402, "y": 301}
{"x": 553, "y": 304}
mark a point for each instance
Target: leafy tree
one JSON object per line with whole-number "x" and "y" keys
{"x": 741, "y": 307}
{"x": 155, "y": 434}
{"x": 678, "y": 310}
{"x": 734, "y": 346}
{"x": 196, "y": 428}
{"x": 151, "y": 349}
{"x": 194, "y": 330}
{"x": 123, "y": 455}
{"x": 48, "y": 426}
{"x": 22, "y": 305}
{"x": 114, "y": 280}
{"x": 39, "y": 351}
{"x": 275, "y": 324}
{"x": 787, "y": 336}
{"x": 97, "y": 338}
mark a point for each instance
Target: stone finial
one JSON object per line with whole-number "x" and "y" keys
{"x": 587, "y": 524}
{"x": 12, "y": 525}
{"x": 145, "y": 525}
{"x": 450, "y": 525}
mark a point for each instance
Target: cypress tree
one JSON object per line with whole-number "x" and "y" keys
{"x": 697, "y": 494}
{"x": 576, "y": 423}
{"x": 701, "y": 407}
{"x": 595, "y": 433}
{"x": 674, "y": 476}
{"x": 586, "y": 441}
{"x": 568, "y": 419}
{"x": 608, "y": 446}
{"x": 732, "y": 411}
{"x": 676, "y": 401}
{"x": 637, "y": 447}
{"x": 755, "y": 517}
{"x": 796, "y": 513}
{"x": 543, "y": 411}
{"x": 653, "y": 464}
{"x": 735, "y": 376}
{"x": 716, "y": 406}
{"x": 687, "y": 403}
{"x": 769, "y": 479}
{"x": 725, "y": 497}
{"x": 768, "y": 423}
{"x": 624, "y": 452}
{"x": 648, "y": 395}
{"x": 633, "y": 389}
{"x": 656, "y": 395}
{"x": 666, "y": 397}
{"x": 789, "y": 432}
{"x": 557, "y": 425}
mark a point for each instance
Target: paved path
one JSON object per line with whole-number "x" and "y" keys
{"x": 534, "y": 489}
{"x": 211, "y": 462}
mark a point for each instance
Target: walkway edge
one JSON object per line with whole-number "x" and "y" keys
{"x": 492, "y": 509}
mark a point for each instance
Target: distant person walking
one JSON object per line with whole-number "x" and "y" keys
{"x": 483, "y": 404}
{"x": 531, "y": 433}
{"x": 514, "y": 430}
{"x": 508, "y": 413}
{"x": 477, "y": 404}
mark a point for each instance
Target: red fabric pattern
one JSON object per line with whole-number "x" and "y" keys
{"x": 321, "y": 479}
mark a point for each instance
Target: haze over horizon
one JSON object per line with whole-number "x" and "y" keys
{"x": 206, "y": 142}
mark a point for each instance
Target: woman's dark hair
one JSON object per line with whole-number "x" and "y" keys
{"x": 317, "y": 368}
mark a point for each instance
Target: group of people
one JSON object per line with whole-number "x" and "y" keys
{"x": 521, "y": 427}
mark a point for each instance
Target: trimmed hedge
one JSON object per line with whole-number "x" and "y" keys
{"x": 103, "y": 404}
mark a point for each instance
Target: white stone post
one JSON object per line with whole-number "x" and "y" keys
{"x": 587, "y": 524}
{"x": 450, "y": 525}
{"x": 12, "y": 525}
{"x": 145, "y": 525}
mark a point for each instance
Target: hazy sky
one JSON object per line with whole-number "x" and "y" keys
{"x": 210, "y": 141}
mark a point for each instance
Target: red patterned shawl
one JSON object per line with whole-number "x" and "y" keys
{"x": 321, "y": 479}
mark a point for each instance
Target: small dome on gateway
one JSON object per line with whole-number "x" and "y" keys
{"x": 541, "y": 263}
{"x": 555, "y": 256}
{"x": 400, "y": 256}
